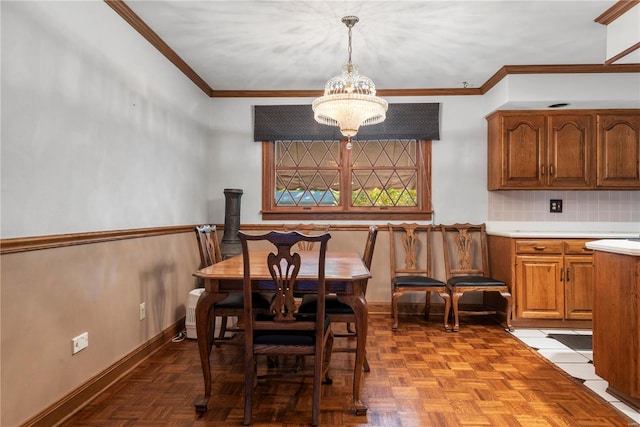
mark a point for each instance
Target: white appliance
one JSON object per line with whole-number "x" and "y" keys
{"x": 190, "y": 322}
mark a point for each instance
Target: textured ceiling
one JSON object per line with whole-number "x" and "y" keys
{"x": 299, "y": 45}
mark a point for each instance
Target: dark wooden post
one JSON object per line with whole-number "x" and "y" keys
{"x": 230, "y": 244}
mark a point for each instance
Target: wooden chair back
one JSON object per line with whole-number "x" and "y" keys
{"x": 367, "y": 254}
{"x": 307, "y": 229}
{"x": 465, "y": 250}
{"x": 410, "y": 249}
{"x": 208, "y": 245}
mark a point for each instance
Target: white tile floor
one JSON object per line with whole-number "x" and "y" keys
{"x": 578, "y": 364}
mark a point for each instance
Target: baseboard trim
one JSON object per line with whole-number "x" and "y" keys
{"x": 74, "y": 401}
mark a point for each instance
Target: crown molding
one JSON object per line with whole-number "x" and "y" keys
{"x": 139, "y": 25}
{"x": 622, "y": 54}
{"x": 615, "y": 11}
{"x": 558, "y": 69}
{"x": 145, "y": 31}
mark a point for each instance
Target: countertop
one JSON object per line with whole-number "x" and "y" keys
{"x": 625, "y": 247}
{"x": 564, "y": 230}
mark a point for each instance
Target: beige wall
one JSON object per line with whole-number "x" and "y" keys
{"x": 50, "y": 296}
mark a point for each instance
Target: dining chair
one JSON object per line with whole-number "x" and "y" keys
{"x": 340, "y": 312}
{"x": 411, "y": 267}
{"x": 233, "y": 304}
{"x": 466, "y": 259}
{"x": 285, "y": 331}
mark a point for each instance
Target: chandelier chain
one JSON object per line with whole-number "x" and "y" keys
{"x": 349, "y": 46}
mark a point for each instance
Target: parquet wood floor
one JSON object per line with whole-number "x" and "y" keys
{"x": 420, "y": 376}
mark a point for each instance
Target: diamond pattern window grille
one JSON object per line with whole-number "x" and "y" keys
{"x": 307, "y": 173}
{"x": 383, "y": 174}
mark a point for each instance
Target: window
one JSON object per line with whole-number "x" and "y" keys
{"x": 374, "y": 179}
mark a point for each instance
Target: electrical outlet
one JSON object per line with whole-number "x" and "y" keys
{"x": 555, "y": 205}
{"x": 143, "y": 311}
{"x": 80, "y": 342}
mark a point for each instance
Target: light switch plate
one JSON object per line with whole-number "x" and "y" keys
{"x": 555, "y": 205}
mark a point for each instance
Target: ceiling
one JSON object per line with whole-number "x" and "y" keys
{"x": 298, "y": 45}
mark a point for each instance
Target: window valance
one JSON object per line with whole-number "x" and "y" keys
{"x": 296, "y": 122}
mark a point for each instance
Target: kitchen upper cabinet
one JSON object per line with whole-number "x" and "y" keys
{"x": 541, "y": 150}
{"x": 619, "y": 150}
{"x": 518, "y": 146}
{"x": 570, "y": 151}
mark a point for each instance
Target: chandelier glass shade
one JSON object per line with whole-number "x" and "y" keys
{"x": 349, "y": 99}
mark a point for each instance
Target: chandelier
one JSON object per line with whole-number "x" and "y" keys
{"x": 349, "y": 99}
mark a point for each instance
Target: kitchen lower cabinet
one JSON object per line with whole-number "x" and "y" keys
{"x": 551, "y": 279}
{"x": 578, "y": 287}
{"x": 540, "y": 293}
{"x": 616, "y": 324}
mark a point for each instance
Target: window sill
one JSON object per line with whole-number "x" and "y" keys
{"x": 378, "y": 215}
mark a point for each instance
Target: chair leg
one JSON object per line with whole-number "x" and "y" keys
{"x": 447, "y": 309}
{"x": 365, "y": 364}
{"x": 328, "y": 351}
{"x": 455, "y": 296}
{"x": 211, "y": 329}
{"x": 350, "y": 329}
{"x": 321, "y": 370}
{"x": 507, "y": 296}
{"x": 394, "y": 309}
{"x": 249, "y": 376}
{"x": 427, "y": 305}
{"x": 223, "y": 328}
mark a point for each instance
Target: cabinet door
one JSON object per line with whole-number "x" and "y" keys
{"x": 618, "y": 150}
{"x": 570, "y": 144}
{"x": 523, "y": 151}
{"x": 539, "y": 292}
{"x": 578, "y": 287}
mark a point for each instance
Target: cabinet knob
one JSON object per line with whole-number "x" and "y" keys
{"x": 539, "y": 248}
{"x": 551, "y": 170}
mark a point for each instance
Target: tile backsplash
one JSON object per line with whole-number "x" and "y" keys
{"x": 583, "y": 206}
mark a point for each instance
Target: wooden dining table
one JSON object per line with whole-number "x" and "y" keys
{"x": 345, "y": 275}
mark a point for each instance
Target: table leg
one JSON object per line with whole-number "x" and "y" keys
{"x": 359, "y": 306}
{"x": 204, "y": 330}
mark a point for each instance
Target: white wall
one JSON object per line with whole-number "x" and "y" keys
{"x": 581, "y": 91}
{"x": 99, "y": 130}
{"x": 458, "y": 161}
